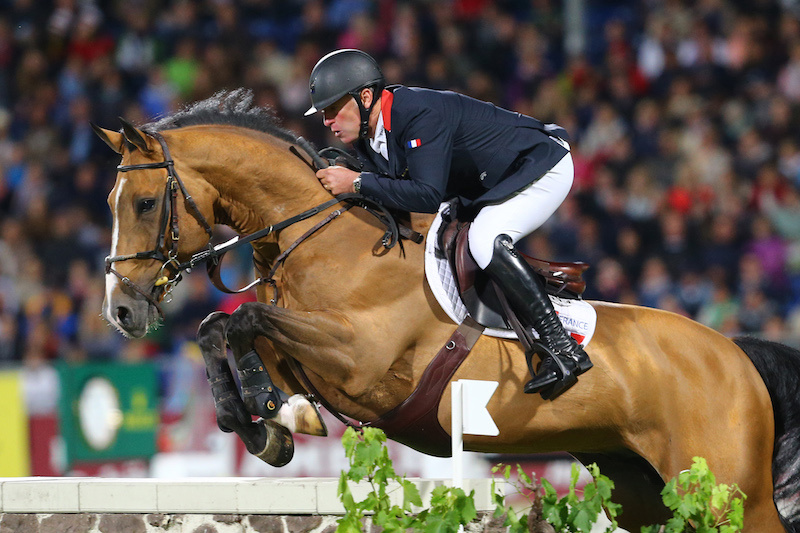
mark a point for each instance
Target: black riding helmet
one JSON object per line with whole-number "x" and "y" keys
{"x": 345, "y": 72}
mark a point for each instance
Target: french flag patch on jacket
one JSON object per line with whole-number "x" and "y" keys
{"x": 414, "y": 143}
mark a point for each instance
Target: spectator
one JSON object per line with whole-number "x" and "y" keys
{"x": 682, "y": 117}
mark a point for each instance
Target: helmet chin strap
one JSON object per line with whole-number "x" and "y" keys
{"x": 365, "y": 112}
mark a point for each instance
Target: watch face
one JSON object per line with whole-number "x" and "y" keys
{"x": 99, "y": 412}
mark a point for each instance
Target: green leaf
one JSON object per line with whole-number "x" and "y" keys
{"x": 519, "y": 526}
{"x": 736, "y": 514}
{"x": 604, "y": 486}
{"x": 555, "y": 513}
{"x": 345, "y": 495}
{"x": 686, "y": 508}
{"x": 410, "y": 495}
{"x": 675, "y": 525}
{"x": 584, "y": 519}
{"x": 669, "y": 495}
{"x": 522, "y": 476}
{"x": 613, "y": 510}
{"x": 550, "y": 494}
{"x": 466, "y": 506}
{"x": 435, "y": 524}
{"x": 370, "y": 502}
{"x": 511, "y": 517}
{"x": 720, "y": 496}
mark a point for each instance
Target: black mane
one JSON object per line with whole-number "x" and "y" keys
{"x": 230, "y": 108}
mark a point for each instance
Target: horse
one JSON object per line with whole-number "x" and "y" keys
{"x": 354, "y": 322}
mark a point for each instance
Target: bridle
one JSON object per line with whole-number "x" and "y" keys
{"x": 169, "y": 223}
{"x": 170, "y": 266}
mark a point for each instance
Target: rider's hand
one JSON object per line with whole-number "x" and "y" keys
{"x": 337, "y": 180}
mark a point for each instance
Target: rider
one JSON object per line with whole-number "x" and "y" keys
{"x": 420, "y": 147}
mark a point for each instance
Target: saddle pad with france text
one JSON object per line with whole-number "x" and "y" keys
{"x": 578, "y": 317}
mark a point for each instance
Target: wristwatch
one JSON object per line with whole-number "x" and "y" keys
{"x": 357, "y": 185}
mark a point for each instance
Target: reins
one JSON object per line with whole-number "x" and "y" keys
{"x": 213, "y": 256}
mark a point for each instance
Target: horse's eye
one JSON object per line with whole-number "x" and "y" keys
{"x": 145, "y": 205}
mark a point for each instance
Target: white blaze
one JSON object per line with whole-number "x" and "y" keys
{"x": 111, "y": 279}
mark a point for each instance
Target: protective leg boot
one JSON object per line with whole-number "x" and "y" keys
{"x": 563, "y": 359}
{"x": 260, "y": 396}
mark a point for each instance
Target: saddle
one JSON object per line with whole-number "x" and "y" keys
{"x": 477, "y": 291}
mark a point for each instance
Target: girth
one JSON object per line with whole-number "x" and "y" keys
{"x": 415, "y": 422}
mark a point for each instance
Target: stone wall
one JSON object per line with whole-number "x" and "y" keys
{"x": 197, "y": 505}
{"x": 193, "y": 523}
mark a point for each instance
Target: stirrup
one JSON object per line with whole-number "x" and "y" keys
{"x": 556, "y": 380}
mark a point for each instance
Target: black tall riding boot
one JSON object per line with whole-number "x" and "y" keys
{"x": 563, "y": 359}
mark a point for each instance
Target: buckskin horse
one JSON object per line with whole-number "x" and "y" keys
{"x": 356, "y": 322}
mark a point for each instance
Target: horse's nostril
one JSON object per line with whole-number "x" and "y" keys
{"x": 123, "y": 315}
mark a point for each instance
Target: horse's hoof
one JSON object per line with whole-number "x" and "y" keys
{"x": 302, "y": 416}
{"x": 279, "y": 448}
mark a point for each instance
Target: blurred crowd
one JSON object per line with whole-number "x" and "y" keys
{"x": 683, "y": 117}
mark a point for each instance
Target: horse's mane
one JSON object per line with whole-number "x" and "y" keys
{"x": 229, "y": 108}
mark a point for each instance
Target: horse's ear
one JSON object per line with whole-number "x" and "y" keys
{"x": 136, "y": 137}
{"x": 111, "y": 138}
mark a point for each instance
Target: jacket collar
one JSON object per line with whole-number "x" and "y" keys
{"x": 386, "y": 108}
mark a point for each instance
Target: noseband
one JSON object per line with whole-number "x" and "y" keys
{"x": 169, "y": 222}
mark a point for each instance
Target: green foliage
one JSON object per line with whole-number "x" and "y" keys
{"x": 699, "y": 504}
{"x": 369, "y": 461}
{"x": 572, "y": 513}
{"x": 517, "y": 523}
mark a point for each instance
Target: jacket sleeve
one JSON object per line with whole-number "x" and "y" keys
{"x": 427, "y": 141}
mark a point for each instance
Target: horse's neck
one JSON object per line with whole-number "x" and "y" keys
{"x": 258, "y": 180}
{"x": 261, "y": 183}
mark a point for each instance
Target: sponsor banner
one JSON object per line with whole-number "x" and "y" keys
{"x": 108, "y": 411}
{"x": 14, "y": 447}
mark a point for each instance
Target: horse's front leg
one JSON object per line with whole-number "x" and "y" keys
{"x": 261, "y": 397}
{"x": 265, "y": 439}
{"x": 321, "y": 341}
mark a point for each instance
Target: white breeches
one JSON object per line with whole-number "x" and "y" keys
{"x": 522, "y": 213}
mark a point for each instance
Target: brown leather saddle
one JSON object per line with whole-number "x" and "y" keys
{"x": 478, "y": 293}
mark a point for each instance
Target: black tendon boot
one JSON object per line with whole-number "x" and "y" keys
{"x": 260, "y": 396}
{"x": 563, "y": 360}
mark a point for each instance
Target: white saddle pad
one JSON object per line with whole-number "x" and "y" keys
{"x": 579, "y": 318}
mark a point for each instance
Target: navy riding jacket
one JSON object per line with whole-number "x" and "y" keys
{"x": 444, "y": 145}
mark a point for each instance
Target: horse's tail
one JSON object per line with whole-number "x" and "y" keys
{"x": 779, "y": 366}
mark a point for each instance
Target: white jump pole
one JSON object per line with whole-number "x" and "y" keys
{"x": 457, "y": 432}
